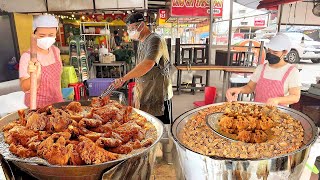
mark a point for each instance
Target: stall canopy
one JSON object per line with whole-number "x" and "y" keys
{"x": 264, "y": 4}
{"x": 273, "y": 4}
{"x": 29, "y": 6}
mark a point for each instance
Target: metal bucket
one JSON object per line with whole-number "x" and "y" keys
{"x": 93, "y": 172}
{"x": 288, "y": 166}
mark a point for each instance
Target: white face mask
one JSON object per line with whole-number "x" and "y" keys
{"x": 134, "y": 34}
{"x": 46, "y": 42}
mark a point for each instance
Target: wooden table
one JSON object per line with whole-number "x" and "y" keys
{"x": 112, "y": 64}
{"x": 226, "y": 75}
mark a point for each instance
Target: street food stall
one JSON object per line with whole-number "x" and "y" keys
{"x": 102, "y": 138}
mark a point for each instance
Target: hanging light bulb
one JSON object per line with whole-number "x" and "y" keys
{"x": 124, "y": 13}
{"x": 112, "y": 13}
{"x": 72, "y": 15}
{"x": 92, "y": 15}
{"x": 83, "y": 17}
{"x": 145, "y": 13}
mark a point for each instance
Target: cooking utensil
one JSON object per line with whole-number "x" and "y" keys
{"x": 33, "y": 75}
{"x": 108, "y": 91}
{"x": 86, "y": 172}
{"x": 212, "y": 121}
{"x": 5, "y": 169}
{"x": 283, "y": 167}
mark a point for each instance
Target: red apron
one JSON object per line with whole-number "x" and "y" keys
{"x": 49, "y": 91}
{"x": 267, "y": 88}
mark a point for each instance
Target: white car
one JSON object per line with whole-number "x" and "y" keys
{"x": 303, "y": 47}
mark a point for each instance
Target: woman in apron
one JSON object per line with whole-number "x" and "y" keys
{"x": 275, "y": 82}
{"x": 48, "y": 67}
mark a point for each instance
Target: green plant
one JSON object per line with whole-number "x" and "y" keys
{"x": 124, "y": 55}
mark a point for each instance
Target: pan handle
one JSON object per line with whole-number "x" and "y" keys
{"x": 5, "y": 169}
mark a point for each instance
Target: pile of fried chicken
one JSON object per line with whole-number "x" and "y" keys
{"x": 78, "y": 135}
{"x": 249, "y": 123}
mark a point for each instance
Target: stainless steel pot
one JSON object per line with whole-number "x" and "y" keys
{"x": 93, "y": 172}
{"x": 288, "y": 166}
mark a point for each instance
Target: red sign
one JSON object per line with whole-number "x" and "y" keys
{"x": 199, "y": 8}
{"x": 162, "y": 14}
{"x": 259, "y": 22}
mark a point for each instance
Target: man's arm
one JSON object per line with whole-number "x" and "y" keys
{"x": 140, "y": 70}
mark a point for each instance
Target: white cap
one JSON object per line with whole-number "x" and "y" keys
{"x": 279, "y": 42}
{"x": 46, "y": 20}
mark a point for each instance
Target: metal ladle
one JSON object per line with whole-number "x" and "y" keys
{"x": 212, "y": 121}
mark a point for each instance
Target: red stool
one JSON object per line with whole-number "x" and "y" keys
{"x": 130, "y": 92}
{"x": 79, "y": 89}
{"x": 209, "y": 97}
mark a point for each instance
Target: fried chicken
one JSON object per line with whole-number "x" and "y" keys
{"x": 249, "y": 123}
{"x": 75, "y": 158}
{"x": 76, "y": 135}
{"x": 93, "y": 154}
{"x": 36, "y": 121}
{"x": 19, "y": 135}
{"x": 54, "y": 150}
{"x": 21, "y": 151}
{"x": 103, "y": 128}
{"x": 90, "y": 123}
{"x": 122, "y": 149}
{"x": 74, "y": 107}
{"x": 108, "y": 142}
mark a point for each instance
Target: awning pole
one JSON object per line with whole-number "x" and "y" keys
{"x": 280, "y": 17}
{"x": 230, "y": 32}
{"x": 211, "y": 21}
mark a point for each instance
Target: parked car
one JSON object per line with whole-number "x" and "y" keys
{"x": 303, "y": 47}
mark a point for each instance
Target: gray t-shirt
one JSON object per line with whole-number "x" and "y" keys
{"x": 155, "y": 48}
{"x": 293, "y": 79}
{"x": 155, "y": 87}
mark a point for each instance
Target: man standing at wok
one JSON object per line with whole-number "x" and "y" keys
{"x": 153, "y": 91}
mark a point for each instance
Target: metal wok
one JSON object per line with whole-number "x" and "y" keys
{"x": 88, "y": 172}
{"x": 287, "y": 166}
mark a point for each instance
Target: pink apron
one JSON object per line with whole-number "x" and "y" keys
{"x": 267, "y": 88}
{"x": 49, "y": 91}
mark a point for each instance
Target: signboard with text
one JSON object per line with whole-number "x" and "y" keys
{"x": 259, "y": 22}
{"x": 198, "y": 8}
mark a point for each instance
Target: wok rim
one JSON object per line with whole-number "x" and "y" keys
{"x": 195, "y": 110}
{"x": 114, "y": 162}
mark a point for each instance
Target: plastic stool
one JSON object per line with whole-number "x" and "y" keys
{"x": 210, "y": 94}
{"x": 130, "y": 92}
{"x": 79, "y": 89}
{"x": 194, "y": 79}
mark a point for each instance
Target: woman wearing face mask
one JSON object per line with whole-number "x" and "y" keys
{"x": 48, "y": 68}
{"x": 275, "y": 82}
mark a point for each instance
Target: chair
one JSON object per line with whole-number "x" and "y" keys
{"x": 186, "y": 55}
{"x": 130, "y": 92}
{"x": 79, "y": 90}
{"x": 210, "y": 94}
{"x": 194, "y": 79}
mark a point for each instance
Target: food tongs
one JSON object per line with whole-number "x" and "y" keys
{"x": 110, "y": 91}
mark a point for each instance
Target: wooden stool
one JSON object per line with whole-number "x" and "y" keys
{"x": 194, "y": 79}
{"x": 79, "y": 90}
